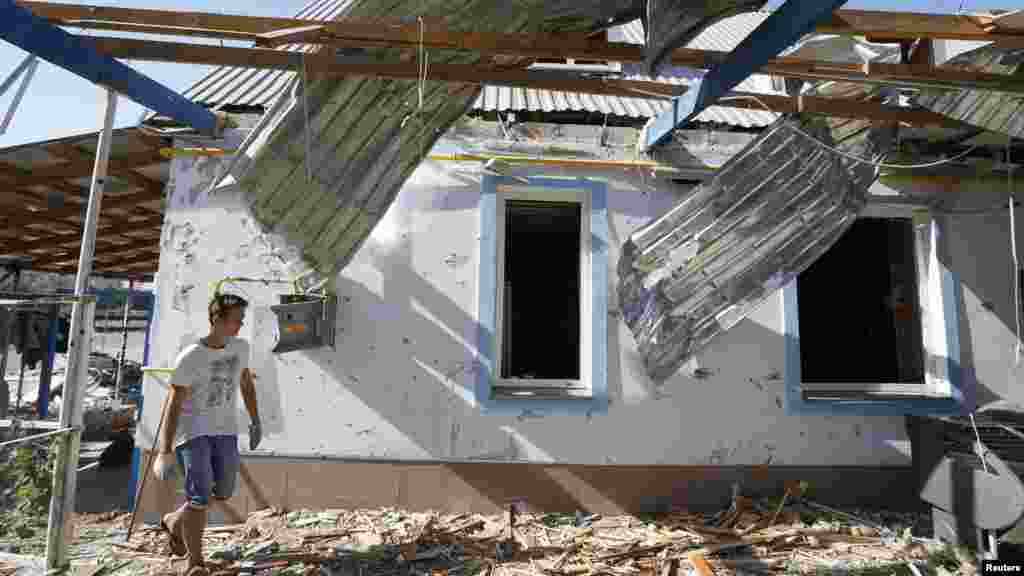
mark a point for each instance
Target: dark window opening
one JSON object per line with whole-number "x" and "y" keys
{"x": 859, "y": 312}
{"x": 541, "y": 316}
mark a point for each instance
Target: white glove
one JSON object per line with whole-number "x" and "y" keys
{"x": 164, "y": 465}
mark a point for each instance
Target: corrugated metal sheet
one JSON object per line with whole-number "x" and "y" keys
{"x": 258, "y": 88}
{"x": 323, "y": 168}
{"x": 723, "y": 35}
{"x": 767, "y": 215}
{"x": 991, "y": 109}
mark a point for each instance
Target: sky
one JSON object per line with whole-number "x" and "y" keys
{"x": 58, "y": 103}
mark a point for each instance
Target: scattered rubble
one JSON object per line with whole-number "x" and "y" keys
{"x": 781, "y": 535}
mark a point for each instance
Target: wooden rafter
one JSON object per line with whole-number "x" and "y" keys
{"x": 109, "y": 260}
{"x": 105, "y": 270}
{"x": 229, "y": 56}
{"x": 74, "y": 240}
{"x": 76, "y": 169}
{"x": 116, "y": 166}
{"x": 803, "y": 68}
{"x": 101, "y": 255}
{"x": 18, "y": 219}
{"x": 894, "y": 27}
{"x": 889, "y": 26}
{"x": 58, "y": 232}
{"x": 874, "y": 24}
{"x": 151, "y": 261}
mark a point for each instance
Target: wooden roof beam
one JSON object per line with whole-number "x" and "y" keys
{"x": 255, "y": 57}
{"x": 36, "y": 225}
{"x": 104, "y": 256}
{"x": 151, "y": 262}
{"x": 807, "y": 69}
{"x": 116, "y": 167}
{"x": 75, "y": 169}
{"x": 890, "y": 26}
{"x": 875, "y": 24}
{"x": 105, "y": 272}
{"x": 115, "y": 259}
{"x": 152, "y": 224}
{"x": 48, "y": 215}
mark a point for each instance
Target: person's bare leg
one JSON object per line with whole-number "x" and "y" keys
{"x": 193, "y": 526}
{"x": 172, "y": 524}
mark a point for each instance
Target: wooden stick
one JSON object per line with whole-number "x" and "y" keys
{"x": 145, "y": 471}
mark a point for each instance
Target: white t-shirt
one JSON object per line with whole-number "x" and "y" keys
{"x": 213, "y": 376}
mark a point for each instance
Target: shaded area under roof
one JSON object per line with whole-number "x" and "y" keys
{"x": 45, "y": 190}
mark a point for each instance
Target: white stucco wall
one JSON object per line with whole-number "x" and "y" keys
{"x": 399, "y": 384}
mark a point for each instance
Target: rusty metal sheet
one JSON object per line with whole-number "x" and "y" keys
{"x": 991, "y": 109}
{"x": 770, "y": 212}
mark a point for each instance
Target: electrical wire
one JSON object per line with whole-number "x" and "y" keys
{"x": 305, "y": 112}
{"x": 852, "y": 156}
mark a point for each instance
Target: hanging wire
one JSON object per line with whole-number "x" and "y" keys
{"x": 305, "y": 111}
{"x": 852, "y": 156}
{"x": 422, "y": 63}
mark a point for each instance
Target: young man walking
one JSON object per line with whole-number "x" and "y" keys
{"x": 201, "y": 428}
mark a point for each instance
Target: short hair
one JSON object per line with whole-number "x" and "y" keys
{"x": 221, "y": 304}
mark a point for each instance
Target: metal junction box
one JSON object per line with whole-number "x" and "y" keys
{"x": 305, "y": 322}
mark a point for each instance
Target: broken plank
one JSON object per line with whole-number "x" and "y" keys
{"x": 700, "y": 563}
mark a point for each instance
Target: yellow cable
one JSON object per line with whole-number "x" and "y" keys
{"x": 155, "y": 370}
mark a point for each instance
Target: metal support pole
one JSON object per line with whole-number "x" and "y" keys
{"x": 46, "y": 374}
{"x": 19, "y": 94}
{"x": 5, "y": 391}
{"x": 23, "y": 322}
{"x": 119, "y": 381}
{"x": 62, "y": 502}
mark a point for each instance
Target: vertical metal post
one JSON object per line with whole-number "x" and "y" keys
{"x": 62, "y": 502}
{"x": 23, "y": 322}
{"x": 46, "y": 374}
{"x": 124, "y": 341}
{"x": 5, "y": 391}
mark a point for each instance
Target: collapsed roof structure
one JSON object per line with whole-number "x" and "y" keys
{"x": 326, "y": 160}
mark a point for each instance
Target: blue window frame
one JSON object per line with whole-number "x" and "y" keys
{"x": 939, "y": 295}
{"x": 589, "y": 394}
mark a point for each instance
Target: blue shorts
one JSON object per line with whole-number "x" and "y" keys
{"x": 211, "y": 468}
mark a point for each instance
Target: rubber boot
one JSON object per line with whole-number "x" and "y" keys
{"x": 172, "y": 525}
{"x": 193, "y": 525}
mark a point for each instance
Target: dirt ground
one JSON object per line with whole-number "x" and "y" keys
{"x": 790, "y": 535}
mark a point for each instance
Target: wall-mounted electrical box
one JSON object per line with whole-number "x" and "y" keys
{"x": 305, "y": 322}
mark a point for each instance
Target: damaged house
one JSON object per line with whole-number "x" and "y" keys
{"x": 526, "y": 306}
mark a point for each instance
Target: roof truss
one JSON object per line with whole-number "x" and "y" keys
{"x": 42, "y": 209}
{"x": 876, "y": 25}
{"x": 896, "y": 27}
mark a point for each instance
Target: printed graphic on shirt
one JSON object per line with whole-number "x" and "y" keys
{"x": 222, "y": 373}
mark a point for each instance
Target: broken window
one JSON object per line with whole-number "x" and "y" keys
{"x": 540, "y": 325}
{"x": 872, "y": 325}
{"x": 861, "y": 295}
{"x": 543, "y": 292}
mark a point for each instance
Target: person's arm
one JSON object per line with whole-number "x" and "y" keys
{"x": 164, "y": 462}
{"x": 248, "y": 386}
{"x": 172, "y": 409}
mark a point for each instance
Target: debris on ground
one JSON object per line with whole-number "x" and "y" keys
{"x": 788, "y": 534}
